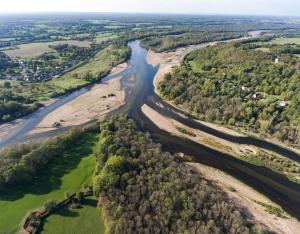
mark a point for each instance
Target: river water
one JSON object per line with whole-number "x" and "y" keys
{"x": 137, "y": 80}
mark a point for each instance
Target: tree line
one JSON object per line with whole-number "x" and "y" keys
{"x": 20, "y": 164}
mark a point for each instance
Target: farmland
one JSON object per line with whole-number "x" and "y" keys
{"x": 103, "y": 37}
{"x": 36, "y": 49}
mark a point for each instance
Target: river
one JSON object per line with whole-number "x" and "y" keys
{"x": 137, "y": 80}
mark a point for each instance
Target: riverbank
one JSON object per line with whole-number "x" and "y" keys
{"x": 94, "y": 104}
{"x": 168, "y": 60}
{"x": 242, "y": 194}
{"x": 99, "y": 100}
{"x": 245, "y": 196}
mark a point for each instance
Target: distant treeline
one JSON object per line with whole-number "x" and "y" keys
{"x": 170, "y": 42}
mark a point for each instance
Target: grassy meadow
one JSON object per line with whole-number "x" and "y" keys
{"x": 86, "y": 219}
{"x": 65, "y": 174}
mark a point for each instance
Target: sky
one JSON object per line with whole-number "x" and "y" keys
{"x": 240, "y": 7}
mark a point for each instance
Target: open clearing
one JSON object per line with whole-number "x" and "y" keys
{"x": 32, "y": 50}
{"x": 86, "y": 219}
{"x": 68, "y": 173}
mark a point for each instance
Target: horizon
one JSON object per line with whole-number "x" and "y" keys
{"x": 53, "y": 13}
{"x": 168, "y": 7}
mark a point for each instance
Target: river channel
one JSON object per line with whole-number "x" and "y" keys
{"x": 137, "y": 80}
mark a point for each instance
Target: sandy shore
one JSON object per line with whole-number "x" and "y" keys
{"x": 244, "y": 196}
{"x": 91, "y": 105}
{"x": 172, "y": 125}
{"x": 94, "y": 104}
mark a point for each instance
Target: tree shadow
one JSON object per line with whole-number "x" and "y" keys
{"x": 67, "y": 212}
{"x": 90, "y": 202}
{"x": 50, "y": 178}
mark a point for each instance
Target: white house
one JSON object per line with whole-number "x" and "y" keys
{"x": 282, "y": 103}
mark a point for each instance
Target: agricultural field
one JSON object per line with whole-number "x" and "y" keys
{"x": 32, "y": 50}
{"x": 103, "y": 37}
{"x": 114, "y": 26}
{"x": 65, "y": 174}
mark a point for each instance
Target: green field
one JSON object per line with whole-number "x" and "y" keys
{"x": 114, "y": 26}
{"x": 103, "y": 37}
{"x": 32, "y": 50}
{"x": 67, "y": 173}
{"x": 76, "y": 221}
{"x": 285, "y": 40}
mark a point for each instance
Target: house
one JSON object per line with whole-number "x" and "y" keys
{"x": 276, "y": 60}
{"x": 282, "y": 103}
{"x": 256, "y": 96}
{"x": 244, "y": 88}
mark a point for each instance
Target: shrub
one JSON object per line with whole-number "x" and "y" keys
{"x": 50, "y": 205}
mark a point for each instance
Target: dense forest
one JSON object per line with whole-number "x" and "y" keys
{"x": 169, "y": 42}
{"x": 6, "y": 63}
{"x": 142, "y": 189}
{"x": 243, "y": 85}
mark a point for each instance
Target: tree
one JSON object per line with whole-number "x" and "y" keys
{"x": 7, "y": 85}
{"x": 79, "y": 197}
{"x": 50, "y": 205}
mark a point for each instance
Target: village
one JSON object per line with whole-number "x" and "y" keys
{"x": 48, "y": 65}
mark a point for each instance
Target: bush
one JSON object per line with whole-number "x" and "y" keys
{"x": 50, "y": 205}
